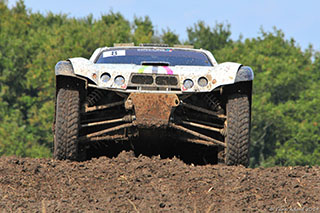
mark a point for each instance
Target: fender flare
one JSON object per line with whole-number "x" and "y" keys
{"x": 65, "y": 77}
{"x": 245, "y": 73}
{"x": 64, "y": 68}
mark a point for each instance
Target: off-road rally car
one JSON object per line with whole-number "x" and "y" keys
{"x": 152, "y": 93}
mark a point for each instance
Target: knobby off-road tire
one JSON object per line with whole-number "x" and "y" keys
{"x": 238, "y": 130}
{"x": 67, "y": 125}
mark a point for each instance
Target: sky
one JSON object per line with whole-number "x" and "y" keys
{"x": 296, "y": 18}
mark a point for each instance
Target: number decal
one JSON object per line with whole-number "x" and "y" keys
{"x": 114, "y": 53}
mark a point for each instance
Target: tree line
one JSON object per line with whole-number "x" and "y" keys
{"x": 286, "y": 97}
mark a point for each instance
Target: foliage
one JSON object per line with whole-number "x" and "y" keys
{"x": 213, "y": 39}
{"x": 143, "y": 30}
{"x": 286, "y": 101}
{"x": 169, "y": 37}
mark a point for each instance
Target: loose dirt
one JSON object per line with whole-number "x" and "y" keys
{"x": 129, "y": 183}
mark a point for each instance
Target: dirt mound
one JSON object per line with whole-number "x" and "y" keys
{"x": 127, "y": 183}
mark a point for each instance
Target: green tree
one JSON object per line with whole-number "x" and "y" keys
{"x": 213, "y": 39}
{"x": 169, "y": 37}
{"x": 143, "y": 30}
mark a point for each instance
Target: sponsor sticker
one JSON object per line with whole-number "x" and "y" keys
{"x": 141, "y": 69}
{"x": 169, "y": 71}
{"x": 155, "y": 50}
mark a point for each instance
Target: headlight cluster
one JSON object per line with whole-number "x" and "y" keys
{"x": 119, "y": 80}
{"x": 202, "y": 82}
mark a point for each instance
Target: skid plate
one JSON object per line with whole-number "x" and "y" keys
{"x": 152, "y": 110}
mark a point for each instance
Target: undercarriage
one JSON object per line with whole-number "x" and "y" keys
{"x": 196, "y": 118}
{"x": 103, "y": 116}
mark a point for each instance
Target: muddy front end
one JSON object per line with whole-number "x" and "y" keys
{"x": 153, "y": 115}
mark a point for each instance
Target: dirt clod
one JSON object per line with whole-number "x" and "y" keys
{"x": 151, "y": 184}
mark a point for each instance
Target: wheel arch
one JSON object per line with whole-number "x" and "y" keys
{"x": 243, "y": 87}
{"x": 73, "y": 83}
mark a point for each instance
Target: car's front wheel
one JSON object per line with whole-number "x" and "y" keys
{"x": 238, "y": 130}
{"x": 67, "y": 125}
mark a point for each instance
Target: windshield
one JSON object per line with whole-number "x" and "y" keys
{"x": 149, "y": 56}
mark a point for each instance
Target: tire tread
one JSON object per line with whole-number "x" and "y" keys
{"x": 67, "y": 125}
{"x": 238, "y": 130}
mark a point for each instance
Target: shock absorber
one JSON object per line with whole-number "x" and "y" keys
{"x": 213, "y": 102}
{"x": 94, "y": 97}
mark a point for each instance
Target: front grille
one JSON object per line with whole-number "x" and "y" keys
{"x": 142, "y": 79}
{"x": 167, "y": 80}
{"x": 154, "y": 80}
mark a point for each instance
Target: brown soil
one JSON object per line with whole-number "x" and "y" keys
{"x": 129, "y": 183}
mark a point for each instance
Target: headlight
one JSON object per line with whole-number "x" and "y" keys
{"x": 119, "y": 80}
{"x": 105, "y": 77}
{"x": 188, "y": 83}
{"x": 202, "y": 82}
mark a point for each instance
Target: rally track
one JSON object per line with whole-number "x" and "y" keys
{"x": 127, "y": 182}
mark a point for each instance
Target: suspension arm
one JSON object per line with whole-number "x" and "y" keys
{"x": 197, "y": 134}
{"x": 203, "y": 126}
{"x": 127, "y": 118}
{"x": 94, "y": 108}
{"x": 197, "y": 141}
{"x": 203, "y": 110}
{"x": 106, "y": 131}
{"x": 108, "y": 138}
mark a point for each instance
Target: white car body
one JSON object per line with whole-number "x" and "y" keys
{"x": 217, "y": 74}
